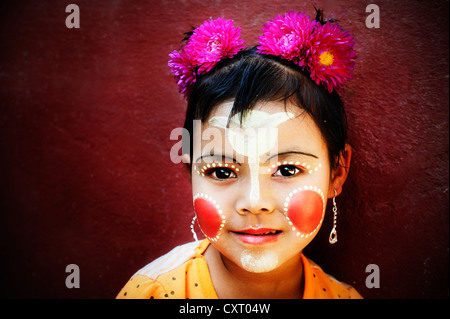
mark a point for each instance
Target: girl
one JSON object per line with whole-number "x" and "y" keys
{"x": 265, "y": 151}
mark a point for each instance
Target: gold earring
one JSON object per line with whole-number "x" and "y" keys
{"x": 333, "y": 234}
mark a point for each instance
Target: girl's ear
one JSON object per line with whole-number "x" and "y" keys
{"x": 340, "y": 172}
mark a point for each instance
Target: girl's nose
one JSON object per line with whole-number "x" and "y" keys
{"x": 260, "y": 209}
{"x": 263, "y": 204}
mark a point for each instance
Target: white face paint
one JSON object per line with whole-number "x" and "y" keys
{"x": 259, "y": 261}
{"x": 257, "y": 135}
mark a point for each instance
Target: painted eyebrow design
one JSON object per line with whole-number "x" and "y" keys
{"x": 221, "y": 157}
{"x": 291, "y": 152}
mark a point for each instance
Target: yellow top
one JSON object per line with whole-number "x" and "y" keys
{"x": 183, "y": 273}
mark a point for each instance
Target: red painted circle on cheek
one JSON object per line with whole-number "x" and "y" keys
{"x": 305, "y": 211}
{"x": 208, "y": 217}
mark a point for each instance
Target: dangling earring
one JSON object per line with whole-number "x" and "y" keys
{"x": 192, "y": 228}
{"x": 333, "y": 234}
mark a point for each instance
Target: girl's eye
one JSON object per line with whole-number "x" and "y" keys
{"x": 288, "y": 171}
{"x": 221, "y": 173}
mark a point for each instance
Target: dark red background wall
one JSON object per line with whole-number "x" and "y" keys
{"x": 85, "y": 120}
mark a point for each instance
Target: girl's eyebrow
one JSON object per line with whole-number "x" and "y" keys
{"x": 220, "y": 157}
{"x": 291, "y": 152}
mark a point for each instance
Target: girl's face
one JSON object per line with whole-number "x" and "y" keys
{"x": 260, "y": 189}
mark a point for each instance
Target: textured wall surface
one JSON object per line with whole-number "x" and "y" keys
{"x": 85, "y": 120}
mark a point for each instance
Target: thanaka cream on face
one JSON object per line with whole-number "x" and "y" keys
{"x": 259, "y": 261}
{"x": 257, "y": 135}
{"x": 253, "y": 141}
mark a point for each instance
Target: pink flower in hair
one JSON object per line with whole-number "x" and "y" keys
{"x": 330, "y": 59}
{"x": 213, "y": 41}
{"x": 287, "y": 36}
{"x": 183, "y": 71}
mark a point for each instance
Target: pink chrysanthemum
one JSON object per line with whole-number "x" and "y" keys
{"x": 330, "y": 59}
{"x": 183, "y": 71}
{"x": 213, "y": 41}
{"x": 287, "y": 36}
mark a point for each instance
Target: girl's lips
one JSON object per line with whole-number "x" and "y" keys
{"x": 257, "y": 236}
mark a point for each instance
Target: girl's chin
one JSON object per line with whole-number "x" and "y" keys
{"x": 259, "y": 261}
{"x": 260, "y": 258}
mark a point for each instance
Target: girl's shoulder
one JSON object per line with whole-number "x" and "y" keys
{"x": 166, "y": 276}
{"x": 320, "y": 285}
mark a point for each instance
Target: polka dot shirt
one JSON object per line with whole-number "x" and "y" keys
{"x": 183, "y": 274}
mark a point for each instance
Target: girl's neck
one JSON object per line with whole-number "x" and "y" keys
{"x": 233, "y": 282}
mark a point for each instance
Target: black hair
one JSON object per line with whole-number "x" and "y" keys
{"x": 250, "y": 77}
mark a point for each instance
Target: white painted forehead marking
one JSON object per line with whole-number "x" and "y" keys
{"x": 257, "y": 135}
{"x": 253, "y": 118}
